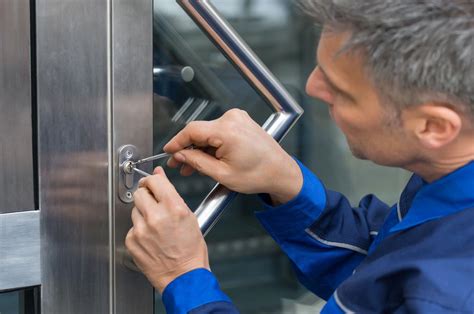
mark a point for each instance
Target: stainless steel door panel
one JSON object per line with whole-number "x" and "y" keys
{"x": 94, "y": 86}
{"x": 132, "y": 123}
{"x": 74, "y": 106}
{"x": 16, "y": 148}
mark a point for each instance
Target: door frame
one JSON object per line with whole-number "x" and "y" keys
{"x": 95, "y": 84}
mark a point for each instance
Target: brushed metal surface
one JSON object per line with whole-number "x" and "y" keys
{"x": 20, "y": 250}
{"x": 16, "y": 155}
{"x": 73, "y": 104}
{"x": 132, "y": 55}
{"x": 287, "y": 111}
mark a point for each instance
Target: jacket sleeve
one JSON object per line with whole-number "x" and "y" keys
{"x": 322, "y": 234}
{"x": 196, "y": 292}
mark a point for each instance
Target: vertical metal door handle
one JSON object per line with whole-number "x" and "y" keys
{"x": 286, "y": 109}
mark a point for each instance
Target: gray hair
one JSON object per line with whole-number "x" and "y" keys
{"x": 415, "y": 51}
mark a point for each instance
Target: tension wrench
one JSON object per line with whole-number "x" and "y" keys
{"x": 143, "y": 173}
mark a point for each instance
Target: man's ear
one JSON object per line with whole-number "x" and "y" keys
{"x": 433, "y": 125}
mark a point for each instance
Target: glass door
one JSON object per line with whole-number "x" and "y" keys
{"x": 200, "y": 72}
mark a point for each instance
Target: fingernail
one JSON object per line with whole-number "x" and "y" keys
{"x": 179, "y": 157}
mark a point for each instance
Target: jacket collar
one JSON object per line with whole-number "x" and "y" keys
{"x": 421, "y": 202}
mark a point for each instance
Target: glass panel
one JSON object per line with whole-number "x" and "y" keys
{"x": 20, "y": 302}
{"x": 250, "y": 267}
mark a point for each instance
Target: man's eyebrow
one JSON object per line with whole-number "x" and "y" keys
{"x": 332, "y": 84}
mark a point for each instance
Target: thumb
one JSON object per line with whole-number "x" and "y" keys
{"x": 201, "y": 162}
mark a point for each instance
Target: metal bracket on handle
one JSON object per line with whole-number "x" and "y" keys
{"x": 287, "y": 111}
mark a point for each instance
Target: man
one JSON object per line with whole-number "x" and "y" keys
{"x": 398, "y": 77}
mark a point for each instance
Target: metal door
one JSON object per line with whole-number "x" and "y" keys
{"x": 77, "y": 85}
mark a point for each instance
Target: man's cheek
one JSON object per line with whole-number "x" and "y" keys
{"x": 341, "y": 122}
{"x": 353, "y": 122}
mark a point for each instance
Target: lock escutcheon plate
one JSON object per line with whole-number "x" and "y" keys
{"x": 127, "y": 179}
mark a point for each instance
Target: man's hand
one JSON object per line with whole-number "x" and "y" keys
{"x": 165, "y": 240}
{"x": 238, "y": 153}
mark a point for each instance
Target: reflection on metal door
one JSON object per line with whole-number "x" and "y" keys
{"x": 88, "y": 77}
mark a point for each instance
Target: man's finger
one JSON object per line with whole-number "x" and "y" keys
{"x": 137, "y": 218}
{"x": 159, "y": 185}
{"x": 129, "y": 240}
{"x": 203, "y": 163}
{"x": 199, "y": 133}
{"x": 186, "y": 170}
{"x": 144, "y": 201}
{"x": 173, "y": 163}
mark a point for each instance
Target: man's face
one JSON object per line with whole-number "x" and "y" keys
{"x": 371, "y": 129}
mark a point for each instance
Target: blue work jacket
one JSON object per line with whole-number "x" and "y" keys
{"x": 414, "y": 257}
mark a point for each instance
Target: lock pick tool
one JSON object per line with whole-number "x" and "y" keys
{"x": 134, "y": 164}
